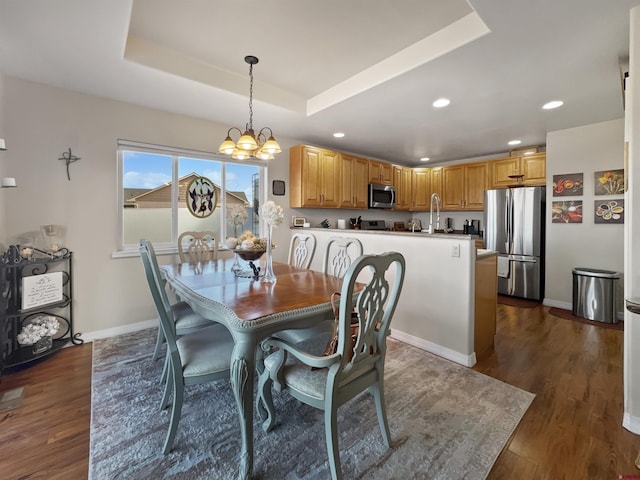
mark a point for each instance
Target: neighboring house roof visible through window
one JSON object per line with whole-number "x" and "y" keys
{"x": 160, "y": 197}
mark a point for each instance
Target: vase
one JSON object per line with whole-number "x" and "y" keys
{"x": 42, "y": 345}
{"x": 269, "y": 276}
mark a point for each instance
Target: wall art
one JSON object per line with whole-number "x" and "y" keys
{"x": 566, "y": 212}
{"x": 608, "y": 182}
{"x": 202, "y": 197}
{"x": 608, "y": 211}
{"x": 568, "y": 184}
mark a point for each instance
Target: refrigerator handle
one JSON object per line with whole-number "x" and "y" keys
{"x": 507, "y": 223}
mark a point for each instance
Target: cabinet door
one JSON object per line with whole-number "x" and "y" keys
{"x": 534, "y": 168}
{"x": 402, "y": 182}
{"x": 453, "y": 187}
{"x": 436, "y": 181}
{"x": 380, "y": 172}
{"x": 304, "y": 176}
{"x": 330, "y": 178}
{"x": 421, "y": 189}
{"x": 354, "y": 182}
{"x": 475, "y": 184}
{"x": 503, "y": 170}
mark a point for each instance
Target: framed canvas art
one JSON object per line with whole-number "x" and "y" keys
{"x": 568, "y": 184}
{"x": 566, "y": 212}
{"x": 608, "y": 182}
{"x": 608, "y": 211}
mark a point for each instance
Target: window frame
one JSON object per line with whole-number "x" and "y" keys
{"x": 176, "y": 153}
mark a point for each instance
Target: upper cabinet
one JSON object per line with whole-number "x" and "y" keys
{"x": 421, "y": 189}
{"x": 463, "y": 186}
{"x": 524, "y": 170}
{"x": 314, "y": 176}
{"x": 404, "y": 189}
{"x": 354, "y": 183}
{"x": 380, "y": 172}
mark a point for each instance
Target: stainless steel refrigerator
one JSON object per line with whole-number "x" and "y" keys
{"x": 514, "y": 227}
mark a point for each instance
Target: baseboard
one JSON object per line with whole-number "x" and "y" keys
{"x": 122, "y": 329}
{"x": 569, "y": 306}
{"x": 549, "y": 302}
{"x": 444, "y": 352}
{"x": 631, "y": 423}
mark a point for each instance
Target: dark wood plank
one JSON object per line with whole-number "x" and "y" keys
{"x": 574, "y": 426}
{"x": 572, "y": 430}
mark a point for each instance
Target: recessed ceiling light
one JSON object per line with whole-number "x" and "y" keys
{"x": 552, "y": 104}
{"x": 338, "y": 134}
{"x": 441, "y": 102}
{"x": 515, "y": 142}
{"x": 424, "y": 159}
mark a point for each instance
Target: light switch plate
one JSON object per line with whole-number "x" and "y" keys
{"x": 455, "y": 250}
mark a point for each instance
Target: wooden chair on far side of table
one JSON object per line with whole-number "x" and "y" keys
{"x": 197, "y": 246}
{"x": 198, "y": 357}
{"x": 301, "y": 249}
{"x": 358, "y": 363}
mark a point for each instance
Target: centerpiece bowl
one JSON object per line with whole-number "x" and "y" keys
{"x": 249, "y": 254}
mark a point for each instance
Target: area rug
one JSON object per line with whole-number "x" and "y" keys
{"x": 568, "y": 315}
{"x": 446, "y": 422}
{"x": 517, "y": 302}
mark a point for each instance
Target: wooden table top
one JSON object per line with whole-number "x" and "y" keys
{"x": 250, "y": 299}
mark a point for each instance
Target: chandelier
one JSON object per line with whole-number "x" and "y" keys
{"x": 249, "y": 144}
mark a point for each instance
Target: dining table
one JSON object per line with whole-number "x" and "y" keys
{"x": 252, "y": 310}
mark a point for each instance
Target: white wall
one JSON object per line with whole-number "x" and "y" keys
{"x": 584, "y": 150}
{"x": 631, "y": 373}
{"x": 43, "y": 122}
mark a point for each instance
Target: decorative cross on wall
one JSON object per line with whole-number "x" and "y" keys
{"x": 69, "y": 158}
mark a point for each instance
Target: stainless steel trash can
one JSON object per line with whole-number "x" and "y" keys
{"x": 595, "y": 293}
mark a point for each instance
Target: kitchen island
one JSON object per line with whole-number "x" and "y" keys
{"x": 437, "y": 307}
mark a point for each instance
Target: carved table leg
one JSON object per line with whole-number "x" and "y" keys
{"x": 242, "y": 374}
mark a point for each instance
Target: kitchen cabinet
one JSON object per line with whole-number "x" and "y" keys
{"x": 35, "y": 291}
{"x": 527, "y": 170}
{"x": 486, "y": 300}
{"x": 421, "y": 189}
{"x": 354, "y": 184}
{"x": 380, "y": 172}
{"x": 402, "y": 179}
{"x": 314, "y": 177}
{"x": 534, "y": 168}
{"x": 463, "y": 186}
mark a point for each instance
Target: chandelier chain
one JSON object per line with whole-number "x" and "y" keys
{"x": 251, "y": 96}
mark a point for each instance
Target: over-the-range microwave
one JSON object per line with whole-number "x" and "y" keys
{"x": 382, "y": 196}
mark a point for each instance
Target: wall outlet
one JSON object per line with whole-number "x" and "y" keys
{"x": 455, "y": 250}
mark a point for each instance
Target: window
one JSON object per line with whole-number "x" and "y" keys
{"x": 153, "y": 193}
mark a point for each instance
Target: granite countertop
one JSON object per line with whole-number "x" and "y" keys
{"x": 392, "y": 232}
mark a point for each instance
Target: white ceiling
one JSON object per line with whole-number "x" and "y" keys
{"x": 369, "y": 68}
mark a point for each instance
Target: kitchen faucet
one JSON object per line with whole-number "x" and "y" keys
{"x": 436, "y": 197}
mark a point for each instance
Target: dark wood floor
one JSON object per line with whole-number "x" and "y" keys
{"x": 571, "y": 431}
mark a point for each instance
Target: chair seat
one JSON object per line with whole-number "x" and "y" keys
{"x": 297, "y": 375}
{"x": 187, "y": 319}
{"x": 206, "y": 351}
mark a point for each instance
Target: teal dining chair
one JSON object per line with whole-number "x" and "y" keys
{"x": 370, "y": 293}
{"x": 187, "y": 321}
{"x": 198, "y": 357}
{"x": 339, "y": 254}
{"x": 301, "y": 249}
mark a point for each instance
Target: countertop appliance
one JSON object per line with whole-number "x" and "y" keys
{"x": 514, "y": 227}
{"x": 373, "y": 225}
{"x": 382, "y": 196}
